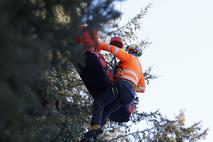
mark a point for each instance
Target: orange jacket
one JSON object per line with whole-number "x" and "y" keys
{"x": 131, "y": 67}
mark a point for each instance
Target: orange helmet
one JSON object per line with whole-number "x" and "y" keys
{"x": 116, "y": 41}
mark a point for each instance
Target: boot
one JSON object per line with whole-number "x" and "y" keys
{"x": 94, "y": 131}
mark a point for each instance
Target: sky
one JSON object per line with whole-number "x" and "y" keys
{"x": 181, "y": 32}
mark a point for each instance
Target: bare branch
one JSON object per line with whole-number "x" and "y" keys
{"x": 148, "y": 76}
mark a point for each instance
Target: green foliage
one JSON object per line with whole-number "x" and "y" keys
{"x": 39, "y": 94}
{"x": 42, "y": 97}
{"x": 128, "y": 30}
{"x": 158, "y": 128}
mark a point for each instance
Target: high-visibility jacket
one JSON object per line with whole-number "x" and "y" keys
{"x": 130, "y": 64}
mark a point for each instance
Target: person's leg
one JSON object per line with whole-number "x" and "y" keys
{"x": 100, "y": 103}
{"x": 120, "y": 115}
{"x": 126, "y": 91}
{"x": 93, "y": 74}
{"x": 109, "y": 109}
{"x": 125, "y": 97}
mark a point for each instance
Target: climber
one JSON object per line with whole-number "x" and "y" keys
{"x": 122, "y": 114}
{"x": 97, "y": 76}
{"x": 131, "y": 79}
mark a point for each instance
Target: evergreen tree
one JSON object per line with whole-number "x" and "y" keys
{"x": 37, "y": 48}
{"x": 42, "y": 98}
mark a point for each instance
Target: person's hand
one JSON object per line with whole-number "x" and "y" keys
{"x": 132, "y": 108}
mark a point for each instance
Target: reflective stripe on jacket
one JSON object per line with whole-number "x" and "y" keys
{"x": 130, "y": 64}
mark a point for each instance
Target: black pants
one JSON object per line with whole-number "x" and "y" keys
{"x": 110, "y": 101}
{"x": 93, "y": 74}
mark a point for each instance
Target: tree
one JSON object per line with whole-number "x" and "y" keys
{"x": 158, "y": 128}
{"x": 37, "y": 48}
{"x": 41, "y": 96}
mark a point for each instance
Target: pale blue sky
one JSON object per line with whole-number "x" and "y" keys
{"x": 181, "y": 32}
